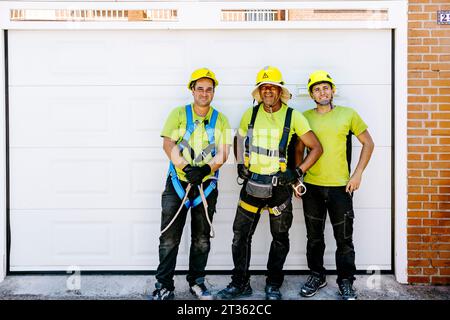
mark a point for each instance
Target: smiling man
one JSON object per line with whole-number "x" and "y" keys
{"x": 197, "y": 141}
{"x": 267, "y": 129}
{"x": 330, "y": 186}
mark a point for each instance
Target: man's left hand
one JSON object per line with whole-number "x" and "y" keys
{"x": 289, "y": 176}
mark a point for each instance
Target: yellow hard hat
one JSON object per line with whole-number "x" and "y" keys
{"x": 318, "y": 77}
{"x": 271, "y": 75}
{"x": 202, "y": 73}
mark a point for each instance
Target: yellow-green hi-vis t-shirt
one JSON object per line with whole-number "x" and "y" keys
{"x": 175, "y": 127}
{"x": 333, "y": 129}
{"x": 267, "y": 134}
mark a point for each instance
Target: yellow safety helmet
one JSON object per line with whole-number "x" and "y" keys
{"x": 318, "y": 77}
{"x": 271, "y": 75}
{"x": 202, "y": 73}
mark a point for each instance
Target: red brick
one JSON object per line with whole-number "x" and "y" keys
{"x": 440, "y": 280}
{"x": 430, "y": 205}
{"x": 430, "y": 173}
{"x": 418, "y": 246}
{"x": 430, "y": 271}
{"x": 418, "y": 230}
{"x": 430, "y": 91}
{"x": 427, "y": 57}
{"x": 440, "y": 165}
{"x": 440, "y": 49}
{"x": 414, "y": 238}
{"x": 415, "y": 124}
{"x": 439, "y": 230}
{"x": 430, "y": 156}
{"x": 429, "y": 140}
{"x": 444, "y": 271}
{"x": 441, "y": 214}
{"x": 444, "y": 189}
{"x": 420, "y": 182}
{"x": 444, "y": 107}
{"x": 418, "y": 214}
{"x": 430, "y": 190}
{"x": 415, "y": 173}
{"x": 431, "y": 124}
{"x": 430, "y": 41}
{"x": 430, "y": 222}
{"x": 440, "y": 132}
{"x": 440, "y": 247}
{"x": 440, "y": 148}
{"x": 415, "y": 271}
{"x": 419, "y": 263}
{"x": 438, "y": 83}
{"x": 440, "y": 98}
{"x": 417, "y": 164}
{"x": 421, "y": 83}
{"x": 419, "y": 279}
{"x": 444, "y": 173}
{"x": 414, "y": 156}
{"x": 421, "y": 99}
{"x": 414, "y": 222}
{"x": 444, "y": 205}
{"x": 442, "y": 33}
{"x": 444, "y": 156}
{"x": 419, "y": 65}
{"x": 415, "y": 205}
{"x": 440, "y": 263}
{"x": 442, "y": 57}
{"x": 418, "y": 16}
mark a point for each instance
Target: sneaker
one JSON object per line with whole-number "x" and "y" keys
{"x": 315, "y": 282}
{"x": 162, "y": 293}
{"x": 272, "y": 293}
{"x": 232, "y": 291}
{"x": 201, "y": 292}
{"x": 346, "y": 290}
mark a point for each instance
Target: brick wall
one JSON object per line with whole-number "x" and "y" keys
{"x": 428, "y": 144}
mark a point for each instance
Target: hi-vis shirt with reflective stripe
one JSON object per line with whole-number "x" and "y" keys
{"x": 265, "y": 154}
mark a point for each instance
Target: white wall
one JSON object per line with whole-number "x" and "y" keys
{"x": 2, "y": 164}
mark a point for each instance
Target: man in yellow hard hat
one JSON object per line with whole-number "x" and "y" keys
{"x": 264, "y": 133}
{"x": 197, "y": 140}
{"x": 330, "y": 186}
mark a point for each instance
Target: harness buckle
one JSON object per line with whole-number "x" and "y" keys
{"x": 276, "y": 211}
{"x": 272, "y": 153}
{"x": 274, "y": 181}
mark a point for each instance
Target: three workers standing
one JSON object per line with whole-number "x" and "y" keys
{"x": 197, "y": 141}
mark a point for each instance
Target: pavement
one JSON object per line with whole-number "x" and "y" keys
{"x": 140, "y": 287}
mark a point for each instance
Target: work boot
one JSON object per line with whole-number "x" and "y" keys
{"x": 232, "y": 291}
{"x": 346, "y": 289}
{"x": 162, "y": 293}
{"x": 272, "y": 293}
{"x": 315, "y": 282}
{"x": 200, "y": 291}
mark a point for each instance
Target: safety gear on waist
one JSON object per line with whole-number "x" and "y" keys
{"x": 277, "y": 210}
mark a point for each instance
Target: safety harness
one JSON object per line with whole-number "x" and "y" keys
{"x": 210, "y": 149}
{"x": 282, "y": 148}
{"x": 280, "y": 153}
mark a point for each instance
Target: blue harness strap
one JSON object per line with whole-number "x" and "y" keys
{"x": 184, "y": 143}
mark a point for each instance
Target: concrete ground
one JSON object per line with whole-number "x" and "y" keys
{"x": 139, "y": 287}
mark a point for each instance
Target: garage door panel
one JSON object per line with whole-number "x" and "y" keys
{"x": 93, "y": 178}
{"x": 90, "y": 117}
{"x": 103, "y": 57}
{"x": 95, "y": 239}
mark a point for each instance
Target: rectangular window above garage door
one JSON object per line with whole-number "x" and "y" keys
{"x": 92, "y": 15}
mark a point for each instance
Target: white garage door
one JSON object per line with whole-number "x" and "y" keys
{"x": 86, "y": 164}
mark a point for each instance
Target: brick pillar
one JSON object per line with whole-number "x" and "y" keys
{"x": 428, "y": 144}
